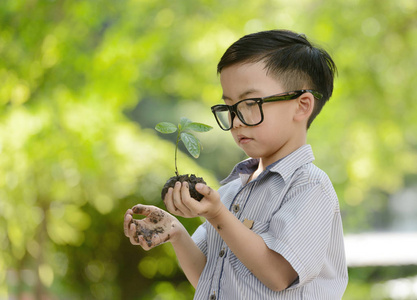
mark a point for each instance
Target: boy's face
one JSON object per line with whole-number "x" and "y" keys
{"x": 278, "y": 134}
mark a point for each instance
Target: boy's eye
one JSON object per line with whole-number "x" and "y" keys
{"x": 249, "y": 103}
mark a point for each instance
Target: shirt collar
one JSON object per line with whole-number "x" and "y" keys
{"x": 246, "y": 167}
{"x": 285, "y": 166}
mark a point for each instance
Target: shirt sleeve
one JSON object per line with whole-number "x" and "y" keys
{"x": 300, "y": 230}
{"x": 200, "y": 237}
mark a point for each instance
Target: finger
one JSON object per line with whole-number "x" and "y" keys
{"x": 144, "y": 210}
{"x": 136, "y": 237}
{"x": 156, "y": 240}
{"x": 127, "y": 221}
{"x": 132, "y": 234}
{"x": 176, "y": 197}
{"x": 141, "y": 209}
{"x": 146, "y": 245}
{"x": 206, "y": 191}
{"x": 185, "y": 198}
{"x": 169, "y": 201}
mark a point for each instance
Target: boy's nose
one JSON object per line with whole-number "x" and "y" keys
{"x": 237, "y": 122}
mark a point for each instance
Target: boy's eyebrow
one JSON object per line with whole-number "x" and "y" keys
{"x": 242, "y": 95}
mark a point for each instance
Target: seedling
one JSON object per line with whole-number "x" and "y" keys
{"x": 193, "y": 146}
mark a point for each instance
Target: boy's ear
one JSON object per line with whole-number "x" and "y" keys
{"x": 305, "y": 105}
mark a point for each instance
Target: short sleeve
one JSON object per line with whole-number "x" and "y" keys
{"x": 300, "y": 230}
{"x": 200, "y": 237}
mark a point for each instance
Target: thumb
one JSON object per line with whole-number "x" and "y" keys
{"x": 144, "y": 210}
{"x": 205, "y": 190}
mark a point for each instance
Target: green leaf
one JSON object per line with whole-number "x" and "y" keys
{"x": 166, "y": 127}
{"x": 184, "y": 123}
{"x": 191, "y": 143}
{"x": 199, "y": 127}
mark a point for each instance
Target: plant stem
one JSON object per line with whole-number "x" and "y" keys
{"x": 176, "y": 151}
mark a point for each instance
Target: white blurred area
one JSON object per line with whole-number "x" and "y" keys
{"x": 396, "y": 246}
{"x": 393, "y": 244}
{"x": 381, "y": 249}
{"x": 385, "y": 249}
{"x": 398, "y": 289}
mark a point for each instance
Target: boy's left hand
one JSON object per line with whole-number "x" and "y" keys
{"x": 156, "y": 228}
{"x": 179, "y": 202}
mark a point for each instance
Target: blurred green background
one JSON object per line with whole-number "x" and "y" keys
{"x": 83, "y": 83}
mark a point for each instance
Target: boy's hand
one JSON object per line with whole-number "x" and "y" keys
{"x": 157, "y": 228}
{"x": 179, "y": 202}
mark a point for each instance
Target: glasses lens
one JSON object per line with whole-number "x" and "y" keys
{"x": 249, "y": 112}
{"x": 223, "y": 116}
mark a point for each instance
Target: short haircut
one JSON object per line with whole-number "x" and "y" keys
{"x": 290, "y": 58}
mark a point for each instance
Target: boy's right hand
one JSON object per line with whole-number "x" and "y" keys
{"x": 156, "y": 228}
{"x": 178, "y": 201}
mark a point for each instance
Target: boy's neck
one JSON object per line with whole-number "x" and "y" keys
{"x": 264, "y": 163}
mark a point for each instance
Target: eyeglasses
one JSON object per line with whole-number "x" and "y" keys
{"x": 249, "y": 111}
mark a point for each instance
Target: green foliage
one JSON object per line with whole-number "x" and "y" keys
{"x": 166, "y": 127}
{"x": 192, "y": 144}
{"x": 368, "y": 282}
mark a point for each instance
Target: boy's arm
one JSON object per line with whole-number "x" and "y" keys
{"x": 190, "y": 257}
{"x": 272, "y": 269}
{"x": 159, "y": 227}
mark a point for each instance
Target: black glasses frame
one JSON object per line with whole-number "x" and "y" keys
{"x": 278, "y": 97}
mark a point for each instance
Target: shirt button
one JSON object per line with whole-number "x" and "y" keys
{"x": 213, "y": 297}
{"x": 221, "y": 253}
{"x": 236, "y": 208}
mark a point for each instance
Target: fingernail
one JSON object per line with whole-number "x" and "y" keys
{"x": 199, "y": 186}
{"x": 186, "y": 184}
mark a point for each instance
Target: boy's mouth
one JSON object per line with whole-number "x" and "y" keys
{"x": 243, "y": 139}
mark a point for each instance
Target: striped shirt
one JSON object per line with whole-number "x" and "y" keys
{"x": 296, "y": 211}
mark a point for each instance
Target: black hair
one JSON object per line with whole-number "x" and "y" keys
{"x": 289, "y": 57}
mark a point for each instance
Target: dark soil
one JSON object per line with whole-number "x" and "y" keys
{"x": 192, "y": 181}
{"x": 148, "y": 233}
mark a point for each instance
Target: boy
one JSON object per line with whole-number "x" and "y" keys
{"x": 273, "y": 230}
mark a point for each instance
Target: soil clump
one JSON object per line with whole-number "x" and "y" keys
{"x": 192, "y": 181}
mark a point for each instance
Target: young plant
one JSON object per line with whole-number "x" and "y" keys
{"x": 192, "y": 144}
